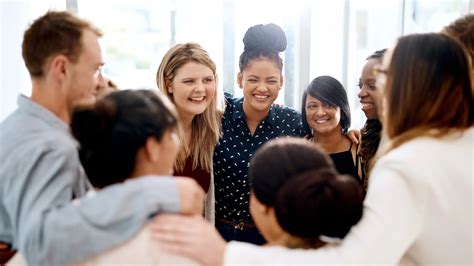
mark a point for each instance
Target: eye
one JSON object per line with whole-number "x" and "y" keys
{"x": 188, "y": 81}
{"x": 372, "y": 86}
{"x": 359, "y": 84}
{"x": 208, "y": 80}
{"x": 311, "y": 106}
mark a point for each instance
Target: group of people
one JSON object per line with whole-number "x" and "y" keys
{"x": 89, "y": 181}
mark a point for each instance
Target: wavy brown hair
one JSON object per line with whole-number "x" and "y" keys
{"x": 428, "y": 88}
{"x": 206, "y": 128}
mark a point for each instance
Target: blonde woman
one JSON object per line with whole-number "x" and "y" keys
{"x": 188, "y": 76}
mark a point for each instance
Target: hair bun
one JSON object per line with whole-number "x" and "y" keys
{"x": 265, "y": 37}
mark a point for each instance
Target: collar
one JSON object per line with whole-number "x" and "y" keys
{"x": 26, "y": 105}
{"x": 239, "y": 112}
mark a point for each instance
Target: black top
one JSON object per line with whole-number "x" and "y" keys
{"x": 344, "y": 163}
{"x": 236, "y": 147}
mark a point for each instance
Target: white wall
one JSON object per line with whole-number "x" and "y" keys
{"x": 14, "y": 78}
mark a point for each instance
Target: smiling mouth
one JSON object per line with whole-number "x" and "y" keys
{"x": 367, "y": 105}
{"x": 261, "y": 97}
{"x": 321, "y": 121}
{"x": 197, "y": 99}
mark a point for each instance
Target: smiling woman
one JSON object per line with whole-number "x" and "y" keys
{"x": 325, "y": 111}
{"x": 247, "y": 124}
{"x": 187, "y": 74}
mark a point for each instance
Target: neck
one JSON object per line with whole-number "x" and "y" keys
{"x": 291, "y": 241}
{"x": 330, "y": 142}
{"x": 48, "y": 97}
{"x": 186, "y": 121}
{"x": 252, "y": 115}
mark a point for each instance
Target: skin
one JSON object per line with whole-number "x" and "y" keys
{"x": 193, "y": 88}
{"x": 157, "y": 157}
{"x": 66, "y": 84}
{"x": 322, "y": 118}
{"x": 261, "y": 82}
{"x": 368, "y": 92}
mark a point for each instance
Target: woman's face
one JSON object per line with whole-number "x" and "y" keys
{"x": 261, "y": 81}
{"x": 368, "y": 91}
{"x": 261, "y": 215}
{"x": 167, "y": 150}
{"x": 322, "y": 118}
{"x": 193, "y": 88}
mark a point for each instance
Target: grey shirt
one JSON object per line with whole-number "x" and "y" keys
{"x": 40, "y": 173}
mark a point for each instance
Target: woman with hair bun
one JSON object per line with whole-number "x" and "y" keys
{"x": 298, "y": 199}
{"x": 247, "y": 123}
{"x": 126, "y": 135}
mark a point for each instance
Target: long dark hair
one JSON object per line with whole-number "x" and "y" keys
{"x": 427, "y": 73}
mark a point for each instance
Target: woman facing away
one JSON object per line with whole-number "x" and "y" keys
{"x": 247, "y": 123}
{"x": 298, "y": 199}
{"x": 418, "y": 209}
{"x": 369, "y": 98}
{"x": 325, "y": 110}
{"x": 125, "y": 135}
{"x": 188, "y": 76}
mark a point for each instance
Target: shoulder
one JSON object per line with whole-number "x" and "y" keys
{"x": 427, "y": 159}
{"x": 286, "y": 112}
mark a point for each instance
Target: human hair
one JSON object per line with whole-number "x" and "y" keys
{"x": 329, "y": 91}
{"x": 263, "y": 41}
{"x": 309, "y": 196}
{"x": 429, "y": 79}
{"x": 377, "y": 55}
{"x": 111, "y": 132}
{"x": 370, "y": 133}
{"x": 462, "y": 30}
{"x": 205, "y": 126}
{"x": 52, "y": 34}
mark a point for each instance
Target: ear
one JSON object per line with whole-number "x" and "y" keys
{"x": 169, "y": 87}
{"x": 58, "y": 65}
{"x": 281, "y": 82}
{"x": 239, "y": 79}
{"x": 152, "y": 149}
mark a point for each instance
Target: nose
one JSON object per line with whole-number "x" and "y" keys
{"x": 199, "y": 87}
{"x": 262, "y": 88}
{"x": 320, "y": 111}
{"x": 101, "y": 82}
{"x": 362, "y": 92}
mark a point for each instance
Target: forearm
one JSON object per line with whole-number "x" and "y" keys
{"x": 72, "y": 232}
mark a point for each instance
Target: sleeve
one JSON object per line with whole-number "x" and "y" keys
{"x": 54, "y": 231}
{"x": 390, "y": 224}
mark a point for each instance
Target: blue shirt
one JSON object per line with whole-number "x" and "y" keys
{"x": 236, "y": 147}
{"x": 40, "y": 173}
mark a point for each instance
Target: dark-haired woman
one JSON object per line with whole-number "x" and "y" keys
{"x": 326, "y": 113}
{"x": 247, "y": 123}
{"x": 125, "y": 135}
{"x": 369, "y": 97}
{"x": 298, "y": 199}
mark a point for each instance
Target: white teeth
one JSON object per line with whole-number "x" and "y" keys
{"x": 321, "y": 121}
{"x": 261, "y": 96}
{"x": 367, "y": 105}
{"x": 197, "y": 98}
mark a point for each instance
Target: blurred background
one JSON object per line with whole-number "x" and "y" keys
{"x": 325, "y": 37}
